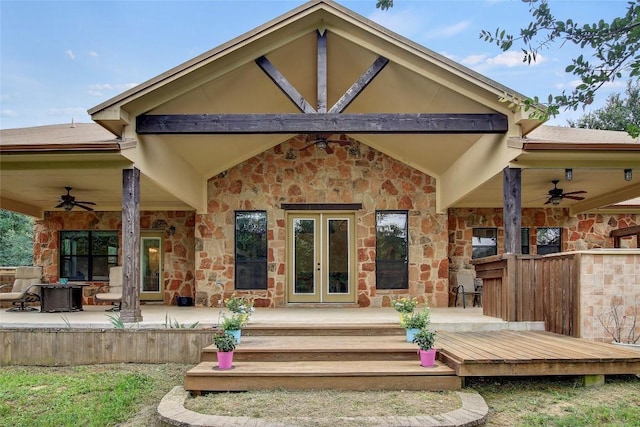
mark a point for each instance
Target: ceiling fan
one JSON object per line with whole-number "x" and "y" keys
{"x": 557, "y": 194}
{"x": 322, "y": 141}
{"x": 67, "y": 201}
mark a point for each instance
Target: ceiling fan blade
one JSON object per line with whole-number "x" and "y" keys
{"x": 59, "y": 206}
{"x": 85, "y": 203}
{"x": 83, "y": 207}
{"x": 328, "y": 149}
{"x": 547, "y": 202}
{"x": 307, "y": 146}
{"x": 575, "y": 192}
{"x": 573, "y": 197}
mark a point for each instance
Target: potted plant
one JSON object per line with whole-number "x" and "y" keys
{"x": 414, "y": 321}
{"x": 425, "y": 340}
{"x": 404, "y": 304}
{"x": 233, "y": 325}
{"x": 241, "y": 306}
{"x": 226, "y": 344}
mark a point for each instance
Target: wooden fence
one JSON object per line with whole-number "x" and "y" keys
{"x": 66, "y": 347}
{"x": 521, "y": 288}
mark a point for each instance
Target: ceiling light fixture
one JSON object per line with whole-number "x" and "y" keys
{"x": 568, "y": 174}
{"x": 628, "y": 175}
{"x": 555, "y": 200}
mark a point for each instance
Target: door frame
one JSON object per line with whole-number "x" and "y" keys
{"x": 321, "y": 256}
{"x": 152, "y": 296}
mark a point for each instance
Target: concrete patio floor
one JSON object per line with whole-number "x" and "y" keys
{"x": 154, "y": 316}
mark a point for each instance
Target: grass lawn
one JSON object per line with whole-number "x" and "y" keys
{"x": 127, "y": 395}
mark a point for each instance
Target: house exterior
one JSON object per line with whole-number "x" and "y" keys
{"x": 318, "y": 159}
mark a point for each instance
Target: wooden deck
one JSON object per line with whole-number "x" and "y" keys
{"x": 532, "y": 353}
{"x": 388, "y": 362}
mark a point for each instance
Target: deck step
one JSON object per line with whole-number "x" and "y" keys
{"x": 318, "y": 347}
{"x": 356, "y": 375}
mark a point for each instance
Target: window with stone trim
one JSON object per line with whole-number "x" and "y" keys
{"x": 251, "y": 250}
{"x": 87, "y": 255}
{"x": 525, "y": 241}
{"x": 392, "y": 250}
{"x": 548, "y": 240}
{"x": 484, "y": 242}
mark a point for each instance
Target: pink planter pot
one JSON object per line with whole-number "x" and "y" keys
{"x": 225, "y": 359}
{"x": 427, "y": 357}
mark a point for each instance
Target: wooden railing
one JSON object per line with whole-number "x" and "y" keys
{"x": 521, "y": 288}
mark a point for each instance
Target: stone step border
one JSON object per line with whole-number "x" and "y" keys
{"x": 473, "y": 412}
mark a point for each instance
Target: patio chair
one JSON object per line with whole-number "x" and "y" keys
{"x": 466, "y": 286}
{"x": 114, "y": 293}
{"x": 24, "y": 290}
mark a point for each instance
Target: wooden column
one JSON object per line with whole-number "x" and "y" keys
{"x": 512, "y": 212}
{"x": 130, "y": 311}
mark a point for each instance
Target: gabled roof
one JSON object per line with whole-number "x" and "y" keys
{"x": 227, "y": 80}
{"x": 313, "y": 15}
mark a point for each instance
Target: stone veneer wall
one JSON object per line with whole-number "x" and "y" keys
{"x": 352, "y": 174}
{"x": 178, "y": 247}
{"x": 606, "y": 277}
{"x": 582, "y": 232}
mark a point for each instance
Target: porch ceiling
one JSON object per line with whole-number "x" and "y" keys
{"x": 34, "y": 191}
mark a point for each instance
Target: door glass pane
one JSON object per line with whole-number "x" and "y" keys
{"x": 304, "y": 253}
{"x": 338, "y": 244}
{"x": 150, "y": 264}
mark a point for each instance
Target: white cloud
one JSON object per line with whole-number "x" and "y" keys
{"x": 513, "y": 59}
{"x": 70, "y": 54}
{"x": 449, "y": 31}
{"x": 402, "y": 21}
{"x": 101, "y": 86}
{"x": 101, "y": 89}
{"x": 94, "y": 54}
{"x": 473, "y": 60}
{"x": 6, "y": 112}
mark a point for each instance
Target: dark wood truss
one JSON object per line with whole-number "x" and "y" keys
{"x": 322, "y": 120}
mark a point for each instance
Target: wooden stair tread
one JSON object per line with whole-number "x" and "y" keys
{"x": 322, "y": 368}
{"x": 315, "y": 343}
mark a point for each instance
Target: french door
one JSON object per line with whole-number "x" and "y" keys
{"x": 321, "y": 257}
{"x": 151, "y": 283}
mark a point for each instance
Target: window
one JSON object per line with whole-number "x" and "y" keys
{"x": 392, "y": 250}
{"x": 88, "y": 255}
{"x": 484, "y": 242}
{"x": 548, "y": 240}
{"x": 251, "y": 250}
{"x": 525, "y": 241}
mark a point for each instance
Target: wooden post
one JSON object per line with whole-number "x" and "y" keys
{"x": 512, "y": 212}
{"x": 130, "y": 311}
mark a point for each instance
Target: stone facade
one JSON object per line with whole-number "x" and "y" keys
{"x": 609, "y": 280}
{"x": 199, "y": 252}
{"x": 582, "y": 232}
{"x": 178, "y": 264}
{"x": 351, "y": 174}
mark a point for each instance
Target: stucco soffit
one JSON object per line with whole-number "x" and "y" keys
{"x": 159, "y": 163}
{"x": 23, "y": 208}
{"x": 481, "y": 162}
{"x": 611, "y": 198}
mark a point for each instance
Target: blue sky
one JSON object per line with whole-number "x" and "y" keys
{"x": 60, "y": 58}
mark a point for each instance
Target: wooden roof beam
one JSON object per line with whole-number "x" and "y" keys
{"x": 403, "y": 123}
